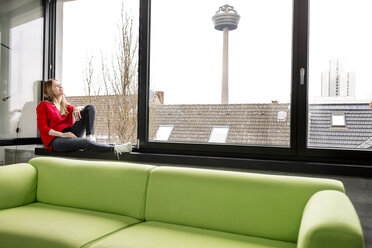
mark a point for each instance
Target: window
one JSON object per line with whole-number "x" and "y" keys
{"x": 21, "y": 67}
{"x": 215, "y": 67}
{"x": 219, "y": 135}
{"x": 163, "y": 133}
{"x": 203, "y": 67}
{"x": 338, "y": 120}
{"x": 16, "y": 154}
{"x": 339, "y": 74}
{"x": 282, "y": 115}
{"x": 97, "y": 57}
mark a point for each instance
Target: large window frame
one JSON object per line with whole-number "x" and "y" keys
{"x": 298, "y": 150}
{"x": 220, "y": 150}
{"x": 297, "y": 157}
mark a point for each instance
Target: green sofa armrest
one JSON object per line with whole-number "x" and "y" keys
{"x": 330, "y": 221}
{"x": 17, "y": 185}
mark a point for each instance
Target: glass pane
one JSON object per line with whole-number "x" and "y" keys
{"x": 219, "y": 134}
{"x": 97, "y": 50}
{"x": 21, "y": 64}
{"x": 163, "y": 133}
{"x": 16, "y": 154}
{"x": 338, "y": 120}
{"x": 214, "y": 64}
{"x": 340, "y": 89}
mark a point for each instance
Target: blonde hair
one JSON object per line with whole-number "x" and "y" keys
{"x": 49, "y": 96}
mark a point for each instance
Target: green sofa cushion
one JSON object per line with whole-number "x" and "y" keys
{"x": 40, "y": 225}
{"x": 17, "y": 185}
{"x": 163, "y": 235}
{"x": 266, "y": 206}
{"x": 112, "y": 187}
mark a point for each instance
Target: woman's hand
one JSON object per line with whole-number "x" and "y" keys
{"x": 68, "y": 135}
{"x": 76, "y": 113}
{"x": 62, "y": 135}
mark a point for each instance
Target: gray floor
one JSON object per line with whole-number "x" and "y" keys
{"x": 358, "y": 189}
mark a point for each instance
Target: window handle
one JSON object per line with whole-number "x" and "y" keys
{"x": 302, "y": 76}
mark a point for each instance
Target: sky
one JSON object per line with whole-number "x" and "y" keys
{"x": 340, "y": 29}
{"x": 186, "y": 50}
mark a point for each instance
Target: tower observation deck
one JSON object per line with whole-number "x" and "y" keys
{"x": 225, "y": 19}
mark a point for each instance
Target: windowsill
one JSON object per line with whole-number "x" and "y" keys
{"x": 223, "y": 162}
{"x": 42, "y": 151}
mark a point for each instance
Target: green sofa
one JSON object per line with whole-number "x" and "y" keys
{"x": 54, "y": 203}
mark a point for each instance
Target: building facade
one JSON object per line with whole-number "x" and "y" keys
{"x": 336, "y": 81}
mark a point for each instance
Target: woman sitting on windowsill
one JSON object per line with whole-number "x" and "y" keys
{"x": 60, "y": 133}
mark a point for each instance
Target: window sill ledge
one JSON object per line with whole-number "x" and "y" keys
{"x": 220, "y": 162}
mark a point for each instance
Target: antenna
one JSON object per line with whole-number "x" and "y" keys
{"x": 225, "y": 19}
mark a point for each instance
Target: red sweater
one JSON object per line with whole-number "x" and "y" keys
{"x": 49, "y": 117}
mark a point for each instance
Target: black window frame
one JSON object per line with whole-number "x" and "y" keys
{"x": 298, "y": 150}
{"x": 298, "y": 157}
{"x": 207, "y": 149}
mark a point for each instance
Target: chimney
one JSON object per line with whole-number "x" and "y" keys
{"x": 160, "y": 95}
{"x": 274, "y": 102}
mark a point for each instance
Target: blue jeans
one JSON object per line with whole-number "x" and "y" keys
{"x": 74, "y": 144}
{"x": 85, "y": 124}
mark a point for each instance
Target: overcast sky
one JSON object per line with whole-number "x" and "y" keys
{"x": 186, "y": 50}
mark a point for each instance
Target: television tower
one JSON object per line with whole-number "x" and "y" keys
{"x": 225, "y": 19}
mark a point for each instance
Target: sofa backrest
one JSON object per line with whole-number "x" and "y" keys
{"x": 266, "y": 206}
{"x": 113, "y": 187}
